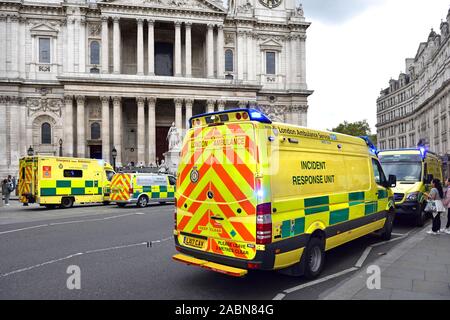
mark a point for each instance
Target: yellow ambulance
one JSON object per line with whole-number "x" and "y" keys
{"x": 253, "y": 194}
{"x": 414, "y": 169}
{"x": 142, "y": 188}
{"x": 62, "y": 181}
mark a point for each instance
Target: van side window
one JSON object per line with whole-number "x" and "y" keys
{"x": 73, "y": 173}
{"x": 380, "y": 178}
{"x": 172, "y": 181}
{"x": 109, "y": 175}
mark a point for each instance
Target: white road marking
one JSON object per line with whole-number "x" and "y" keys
{"x": 70, "y": 222}
{"x": 312, "y": 283}
{"x": 83, "y": 253}
{"x": 398, "y": 234}
{"x": 279, "y": 296}
{"x": 363, "y": 257}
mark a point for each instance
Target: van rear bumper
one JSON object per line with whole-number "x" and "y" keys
{"x": 264, "y": 260}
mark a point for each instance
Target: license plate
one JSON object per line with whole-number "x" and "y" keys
{"x": 194, "y": 242}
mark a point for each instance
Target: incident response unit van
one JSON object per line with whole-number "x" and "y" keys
{"x": 62, "y": 181}
{"x": 414, "y": 169}
{"x": 252, "y": 194}
{"x": 142, "y": 188}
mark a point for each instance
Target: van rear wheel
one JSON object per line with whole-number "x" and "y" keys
{"x": 66, "y": 203}
{"x": 388, "y": 225}
{"x": 142, "y": 202}
{"x": 421, "y": 216}
{"x": 315, "y": 258}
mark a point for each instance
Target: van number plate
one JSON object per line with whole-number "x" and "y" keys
{"x": 194, "y": 242}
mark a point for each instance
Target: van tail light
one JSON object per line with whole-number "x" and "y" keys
{"x": 131, "y": 190}
{"x": 264, "y": 223}
{"x": 175, "y": 215}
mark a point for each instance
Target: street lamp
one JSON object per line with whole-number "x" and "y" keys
{"x": 60, "y": 147}
{"x": 114, "y": 155}
{"x": 30, "y": 151}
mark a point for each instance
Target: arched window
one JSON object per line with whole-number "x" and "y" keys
{"x": 95, "y": 131}
{"x": 229, "y": 63}
{"x": 46, "y": 133}
{"x": 95, "y": 52}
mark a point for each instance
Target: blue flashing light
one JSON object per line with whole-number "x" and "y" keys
{"x": 372, "y": 148}
{"x": 423, "y": 152}
{"x": 254, "y": 115}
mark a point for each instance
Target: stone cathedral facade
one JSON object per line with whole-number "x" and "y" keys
{"x": 82, "y": 77}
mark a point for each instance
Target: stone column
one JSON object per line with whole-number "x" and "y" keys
{"x": 140, "y": 47}
{"x": 82, "y": 47}
{"x": 250, "y": 58}
{"x": 188, "y": 51}
{"x": 21, "y": 44}
{"x": 220, "y": 53}
{"x": 295, "y": 116}
{"x": 151, "y": 48}
{"x": 178, "y": 114}
{"x": 210, "y": 106}
{"x": 178, "y": 49}
{"x": 116, "y": 46}
{"x": 221, "y": 105}
{"x": 302, "y": 61}
{"x": 293, "y": 62}
{"x": 151, "y": 130}
{"x": 287, "y": 62}
{"x": 189, "y": 103}
{"x": 81, "y": 138}
{"x": 105, "y": 45}
{"x": 240, "y": 55}
{"x": 140, "y": 129}
{"x": 244, "y": 55}
{"x": 117, "y": 127}
{"x": 70, "y": 45}
{"x": 68, "y": 126}
{"x": 2, "y": 44}
{"x": 14, "y": 70}
{"x": 105, "y": 129}
{"x": 210, "y": 51}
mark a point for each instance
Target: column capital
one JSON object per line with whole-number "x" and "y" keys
{"x": 211, "y": 102}
{"x": 220, "y": 26}
{"x": 105, "y": 18}
{"x": 117, "y": 100}
{"x": 140, "y": 100}
{"x": 140, "y": 20}
{"x": 151, "y": 101}
{"x": 104, "y": 99}
{"x": 116, "y": 19}
{"x": 178, "y": 102}
{"x": 68, "y": 98}
{"x": 210, "y": 25}
{"x": 188, "y": 24}
{"x": 150, "y": 21}
{"x": 189, "y": 101}
{"x": 177, "y": 23}
{"x": 80, "y": 99}
{"x": 221, "y": 102}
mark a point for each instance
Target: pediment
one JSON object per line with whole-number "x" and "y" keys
{"x": 43, "y": 27}
{"x": 209, "y": 5}
{"x": 271, "y": 43}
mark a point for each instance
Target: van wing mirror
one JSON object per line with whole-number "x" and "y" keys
{"x": 392, "y": 182}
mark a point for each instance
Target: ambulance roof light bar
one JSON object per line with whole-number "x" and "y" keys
{"x": 371, "y": 146}
{"x": 254, "y": 115}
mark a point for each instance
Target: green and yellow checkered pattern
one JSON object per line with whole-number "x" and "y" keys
{"x": 155, "y": 192}
{"x": 331, "y": 210}
{"x": 69, "y": 187}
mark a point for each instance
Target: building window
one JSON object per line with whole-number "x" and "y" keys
{"x": 94, "y": 52}
{"x": 95, "y": 131}
{"x": 270, "y": 62}
{"x": 44, "y": 50}
{"x": 229, "y": 60}
{"x": 46, "y": 133}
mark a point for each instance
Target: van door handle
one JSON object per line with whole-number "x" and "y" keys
{"x": 217, "y": 218}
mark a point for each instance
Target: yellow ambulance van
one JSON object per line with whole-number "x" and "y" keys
{"x": 253, "y": 194}
{"x": 142, "y": 188}
{"x": 414, "y": 169}
{"x": 62, "y": 181}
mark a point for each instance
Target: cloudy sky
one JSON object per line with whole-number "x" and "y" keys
{"x": 355, "y": 46}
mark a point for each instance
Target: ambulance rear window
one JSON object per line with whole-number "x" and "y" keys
{"x": 73, "y": 173}
{"x": 222, "y": 117}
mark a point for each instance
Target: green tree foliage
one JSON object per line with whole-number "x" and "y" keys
{"x": 358, "y": 128}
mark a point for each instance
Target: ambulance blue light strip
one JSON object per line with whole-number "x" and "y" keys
{"x": 371, "y": 146}
{"x": 254, "y": 115}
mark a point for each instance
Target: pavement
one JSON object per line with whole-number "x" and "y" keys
{"x": 416, "y": 269}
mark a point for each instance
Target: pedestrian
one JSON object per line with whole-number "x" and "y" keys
{"x": 7, "y": 189}
{"x": 446, "y": 203}
{"x": 436, "y": 194}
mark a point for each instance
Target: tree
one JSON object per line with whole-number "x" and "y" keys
{"x": 358, "y": 128}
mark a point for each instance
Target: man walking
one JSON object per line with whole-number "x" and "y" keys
{"x": 7, "y": 189}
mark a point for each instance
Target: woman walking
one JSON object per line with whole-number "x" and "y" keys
{"x": 436, "y": 194}
{"x": 446, "y": 202}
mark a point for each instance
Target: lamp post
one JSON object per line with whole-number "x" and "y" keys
{"x": 60, "y": 147}
{"x": 30, "y": 151}
{"x": 114, "y": 155}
